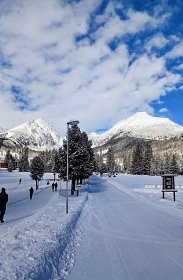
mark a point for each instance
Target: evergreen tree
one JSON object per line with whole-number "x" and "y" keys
{"x": 60, "y": 164}
{"x": 98, "y": 161}
{"x": 137, "y": 160}
{"x": 147, "y": 158}
{"x": 103, "y": 169}
{"x": 37, "y": 169}
{"x": 156, "y": 165}
{"x": 10, "y": 161}
{"x": 81, "y": 157}
{"x": 89, "y": 164}
{"x": 110, "y": 160}
{"x": 11, "y": 165}
{"x": 23, "y": 163}
{"x": 48, "y": 159}
{"x": 7, "y": 157}
{"x": 166, "y": 166}
{"x": 78, "y": 155}
{"x": 173, "y": 167}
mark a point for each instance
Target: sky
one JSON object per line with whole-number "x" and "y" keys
{"x": 118, "y": 227}
{"x": 96, "y": 61}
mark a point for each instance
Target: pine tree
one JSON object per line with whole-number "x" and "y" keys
{"x": 78, "y": 155}
{"x": 110, "y": 160}
{"x": 173, "y": 167}
{"x": 166, "y": 167}
{"x": 48, "y": 159}
{"x": 37, "y": 169}
{"x": 81, "y": 157}
{"x": 137, "y": 160}
{"x": 147, "y": 158}
{"x": 98, "y": 160}
{"x": 89, "y": 164}
{"x": 103, "y": 168}
{"x": 60, "y": 162}
{"x": 10, "y": 161}
{"x": 23, "y": 163}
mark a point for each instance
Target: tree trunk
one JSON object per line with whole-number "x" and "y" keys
{"x": 36, "y": 184}
{"x": 73, "y": 183}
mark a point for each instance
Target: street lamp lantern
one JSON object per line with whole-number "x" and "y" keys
{"x": 71, "y": 122}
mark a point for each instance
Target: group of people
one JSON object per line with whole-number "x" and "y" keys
{"x": 54, "y": 186}
{"x": 4, "y": 198}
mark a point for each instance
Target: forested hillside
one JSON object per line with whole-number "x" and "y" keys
{"x": 140, "y": 156}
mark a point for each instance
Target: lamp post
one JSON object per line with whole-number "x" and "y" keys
{"x": 54, "y": 176}
{"x": 71, "y": 122}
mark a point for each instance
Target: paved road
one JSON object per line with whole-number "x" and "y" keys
{"x": 125, "y": 238}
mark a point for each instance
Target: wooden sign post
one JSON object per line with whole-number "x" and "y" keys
{"x": 168, "y": 185}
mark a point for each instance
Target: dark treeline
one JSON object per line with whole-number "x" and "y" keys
{"x": 142, "y": 158}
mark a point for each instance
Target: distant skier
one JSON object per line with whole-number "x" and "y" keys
{"x": 56, "y": 185}
{"x": 31, "y": 192}
{"x": 53, "y": 186}
{"x": 20, "y": 180}
{"x": 3, "y": 202}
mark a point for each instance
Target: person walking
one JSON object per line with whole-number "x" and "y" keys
{"x": 31, "y": 192}
{"x": 3, "y": 202}
{"x": 53, "y": 186}
{"x": 56, "y": 185}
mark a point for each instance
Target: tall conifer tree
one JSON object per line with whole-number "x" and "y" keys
{"x": 37, "y": 169}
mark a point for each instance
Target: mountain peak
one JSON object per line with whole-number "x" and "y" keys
{"x": 140, "y": 125}
{"x": 141, "y": 114}
{"x": 41, "y": 121}
{"x": 37, "y": 135}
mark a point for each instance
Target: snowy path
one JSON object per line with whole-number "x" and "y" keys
{"x": 19, "y": 205}
{"x": 126, "y": 238}
{"x": 36, "y": 232}
{"x": 116, "y": 230}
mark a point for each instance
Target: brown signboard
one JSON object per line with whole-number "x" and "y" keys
{"x": 168, "y": 182}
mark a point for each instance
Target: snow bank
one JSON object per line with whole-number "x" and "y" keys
{"x": 33, "y": 249}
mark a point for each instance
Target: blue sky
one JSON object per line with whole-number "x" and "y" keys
{"x": 91, "y": 60}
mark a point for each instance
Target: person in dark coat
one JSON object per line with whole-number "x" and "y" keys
{"x": 56, "y": 185}
{"x": 3, "y": 202}
{"x": 31, "y": 192}
{"x": 53, "y": 186}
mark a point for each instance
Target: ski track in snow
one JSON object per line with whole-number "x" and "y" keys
{"x": 114, "y": 243}
{"x": 47, "y": 246}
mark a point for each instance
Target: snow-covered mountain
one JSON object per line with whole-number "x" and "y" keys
{"x": 37, "y": 135}
{"x": 140, "y": 125}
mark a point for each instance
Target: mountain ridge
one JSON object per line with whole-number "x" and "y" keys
{"x": 140, "y": 125}
{"x": 38, "y": 135}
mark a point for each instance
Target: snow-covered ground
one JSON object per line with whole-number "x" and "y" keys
{"x": 40, "y": 241}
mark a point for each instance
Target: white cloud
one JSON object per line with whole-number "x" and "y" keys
{"x": 179, "y": 67}
{"x": 163, "y": 110}
{"x": 65, "y": 79}
{"x": 177, "y": 51}
{"x": 114, "y": 27}
{"x": 158, "y": 41}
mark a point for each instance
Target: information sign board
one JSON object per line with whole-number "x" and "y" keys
{"x": 168, "y": 182}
